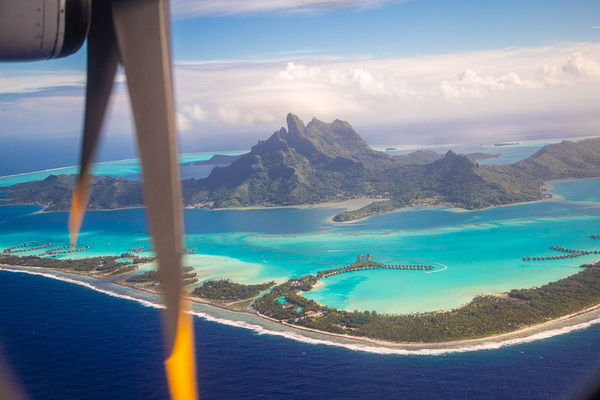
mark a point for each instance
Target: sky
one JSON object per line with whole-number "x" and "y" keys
{"x": 401, "y": 72}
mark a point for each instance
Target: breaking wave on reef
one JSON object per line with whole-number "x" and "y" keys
{"x": 366, "y": 347}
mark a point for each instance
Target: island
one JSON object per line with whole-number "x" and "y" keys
{"x": 149, "y": 279}
{"x": 507, "y": 144}
{"x": 226, "y": 290}
{"x": 481, "y": 317}
{"x": 329, "y": 162}
{"x": 98, "y": 267}
{"x": 484, "y": 316}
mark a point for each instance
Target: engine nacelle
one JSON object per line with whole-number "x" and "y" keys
{"x": 42, "y": 29}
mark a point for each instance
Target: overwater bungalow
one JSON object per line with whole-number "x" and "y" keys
{"x": 12, "y": 248}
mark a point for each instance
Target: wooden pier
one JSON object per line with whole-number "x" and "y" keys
{"x": 72, "y": 250}
{"x": 56, "y": 249}
{"x": 24, "y": 250}
{"x": 371, "y": 265}
{"x": 12, "y": 248}
{"x": 569, "y": 253}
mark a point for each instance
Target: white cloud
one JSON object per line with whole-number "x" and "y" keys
{"x": 15, "y": 82}
{"x": 516, "y": 85}
{"x": 595, "y": 27}
{"x": 237, "y": 116}
{"x": 183, "y": 123}
{"x": 509, "y": 89}
{"x": 577, "y": 67}
{"x": 581, "y": 66}
{"x": 192, "y": 8}
{"x": 471, "y": 84}
{"x": 195, "y": 112}
{"x": 298, "y": 71}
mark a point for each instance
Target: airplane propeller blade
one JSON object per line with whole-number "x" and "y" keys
{"x": 102, "y": 58}
{"x": 138, "y": 33}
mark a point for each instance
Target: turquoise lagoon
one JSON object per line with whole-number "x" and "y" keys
{"x": 475, "y": 252}
{"x": 129, "y": 169}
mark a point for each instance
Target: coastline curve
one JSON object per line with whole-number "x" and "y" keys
{"x": 266, "y": 326}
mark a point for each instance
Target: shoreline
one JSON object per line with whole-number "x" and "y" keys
{"x": 547, "y": 188}
{"x": 217, "y": 152}
{"x": 266, "y": 325}
{"x": 346, "y": 205}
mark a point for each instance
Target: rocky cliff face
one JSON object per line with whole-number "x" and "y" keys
{"x": 303, "y": 163}
{"x": 329, "y": 161}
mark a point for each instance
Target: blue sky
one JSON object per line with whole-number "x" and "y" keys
{"x": 419, "y": 71}
{"x": 386, "y": 29}
{"x": 408, "y": 28}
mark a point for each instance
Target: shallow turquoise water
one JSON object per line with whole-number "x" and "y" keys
{"x": 480, "y": 259}
{"x": 130, "y": 169}
{"x": 475, "y": 252}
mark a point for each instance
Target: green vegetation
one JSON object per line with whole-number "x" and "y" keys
{"x": 55, "y": 193}
{"x": 378, "y": 207}
{"x": 189, "y": 277}
{"x": 352, "y": 267}
{"x": 323, "y": 162}
{"x": 270, "y": 305}
{"x": 595, "y": 265}
{"x": 146, "y": 277}
{"x": 483, "y": 316}
{"x": 107, "y": 265}
{"x": 565, "y": 160}
{"x": 225, "y": 289}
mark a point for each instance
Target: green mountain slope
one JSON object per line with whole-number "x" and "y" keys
{"x": 303, "y": 164}
{"x": 55, "y": 192}
{"x": 563, "y": 160}
{"x": 329, "y": 161}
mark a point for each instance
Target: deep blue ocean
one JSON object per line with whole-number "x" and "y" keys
{"x": 64, "y": 341}
{"x": 68, "y": 342}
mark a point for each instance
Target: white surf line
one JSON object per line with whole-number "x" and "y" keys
{"x": 97, "y": 163}
{"x": 67, "y": 167}
{"x": 36, "y": 172}
{"x": 439, "y": 270}
{"x": 364, "y": 347}
{"x": 84, "y": 284}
